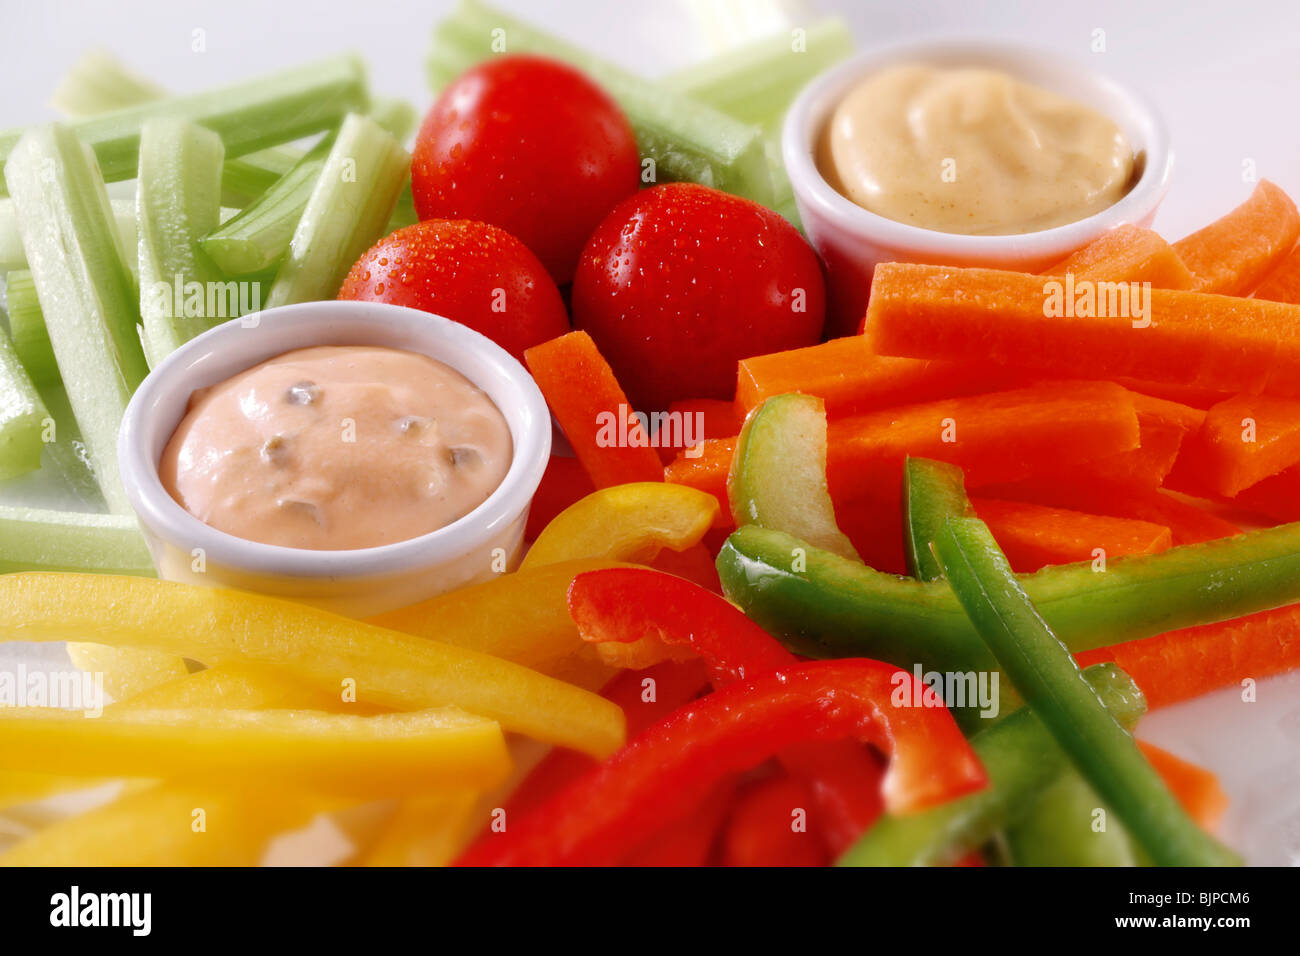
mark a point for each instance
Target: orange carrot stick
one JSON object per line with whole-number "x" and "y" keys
{"x": 1164, "y": 425}
{"x": 593, "y": 410}
{"x": 851, "y": 379}
{"x": 1128, "y": 254}
{"x": 1184, "y": 664}
{"x": 1243, "y": 440}
{"x": 1277, "y": 497}
{"x": 1233, "y": 255}
{"x": 1033, "y": 536}
{"x": 708, "y": 471}
{"x": 1030, "y": 322}
{"x": 1195, "y": 787}
{"x": 1283, "y": 283}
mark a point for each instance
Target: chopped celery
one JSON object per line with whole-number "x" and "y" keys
{"x": 248, "y": 116}
{"x": 178, "y": 201}
{"x": 688, "y": 141}
{"x": 87, "y": 293}
{"x": 27, "y": 326}
{"x": 12, "y": 256}
{"x": 100, "y": 83}
{"x": 23, "y": 417}
{"x": 354, "y": 194}
{"x": 35, "y": 539}
{"x": 757, "y": 82}
{"x": 66, "y": 454}
{"x": 259, "y": 237}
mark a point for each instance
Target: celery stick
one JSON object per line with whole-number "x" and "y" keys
{"x": 23, "y": 417}
{"x": 248, "y": 116}
{"x": 35, "y": 539}
{"x": 66, "y": 454}
{"x": 99, "y": 83}
{"x": 688, "y": 141}
{"x": 27, "y": 326}
{"x": 86, "y": 290}
{"x": 355, "y": 193}
{"x": 757, "y": 82}
{"x": 12, "y": 256}
{"x": 178, "y": 201}
{"x": 259, "y": 237}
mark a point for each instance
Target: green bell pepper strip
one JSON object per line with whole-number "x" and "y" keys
{"x": 822, "y": 605}
{"x": 932, "y": 491}
{"x": 1021, "y": 760}
{"x": 1045, "y": 673}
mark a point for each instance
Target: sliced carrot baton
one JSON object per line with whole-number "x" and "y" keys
{"x": 706, "y": 471}
{"x": 1057, "y": 692}
{"x": 1034, "y": 536}
{"x": 1283, "y": 283}
{"x": 1026, "y": 322}
{"x": 1195, "y": 787}
{"x": 1277, "y": 497}
{"x": 679, "y": 760}
{"x": 1128, "y": 253}
{"x": 1232, "y": 255}
{"x": 1183, "y": 664}
{"x": 586, "y": 399}
{"x": 626, "y": 607}
{"x": 1242, "y": 441}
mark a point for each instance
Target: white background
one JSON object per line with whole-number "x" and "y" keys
{"x": 1226, "y": 74}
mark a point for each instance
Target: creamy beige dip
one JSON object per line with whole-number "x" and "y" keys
{"x": 337, "y": 447}
{"x": 972, "y": 151}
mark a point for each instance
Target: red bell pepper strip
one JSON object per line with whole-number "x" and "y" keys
{"x": 636, "y": 602}
{"x": 762, "y": 829}
{"x": 691, "y": 841}
{"x": 673, "y": 765}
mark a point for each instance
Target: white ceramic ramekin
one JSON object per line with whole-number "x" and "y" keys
{"x": 360, "y": 582}
{"x": 852, "y": 240}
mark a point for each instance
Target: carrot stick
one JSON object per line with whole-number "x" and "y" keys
{"x": 1277, "y": 497}
{"x": 1026, "y": 321}
{"x": 1184, "y": 664}
{"x": 1188, "y": 523}
{"x": 564, "y": 482}
{"x": 1035, "y": 535}
{"x": 1189, "y": 395}
{"x": 1233, "y": 255}
{"x": 1243, "y": 440}
{"x": 1128, "y": 254}
{"x": 851, "y": 379}
{"x": 1283, "y": 283}
{"x": 1195, "y": 787}
{"x": 708, "y": 471}
{"x": 1164, "y": 426}
{"x": 593, "y": 410}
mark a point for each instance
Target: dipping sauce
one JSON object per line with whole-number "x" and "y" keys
{"x": 972, "y": 151}
{"x": 337, "y": 447}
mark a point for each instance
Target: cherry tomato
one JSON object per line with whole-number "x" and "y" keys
{"x": 530, "y": 145}
{"x": 473, "y": 273}
{"x": 681, "y": 281}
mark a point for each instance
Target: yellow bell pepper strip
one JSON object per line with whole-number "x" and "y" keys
{"x": 239, "y": 686}
{"x": 521, "y": 617}
{"x": 778, "y": 474}
{"x": 675, "y": 763}
{"x": 632, "y": 522}
{"x": 162, "y": 826}
{"x": 1042, "y": 669}
{"x": 214, "y": 625}
{"x": 18, "y": 786}
{"x": 127, "y": 670}
{"x": 425, "y": 830}
{"x": 400, "y": 753}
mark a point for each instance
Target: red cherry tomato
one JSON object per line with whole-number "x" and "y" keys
{"x": 681, "y": 281}
{"x": 473, "y": 273}
{"x": 530, "y": 145}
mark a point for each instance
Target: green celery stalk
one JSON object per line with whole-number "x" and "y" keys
{"x": 824, "y": 605}
{"x": 178, "y": 201}
{"x": 350, "y": 204}
{"x": 67, "y": 455}
{"x": 87, "y": 293}
{"x": 36, "y": 539}
{"x": 688, "y": 141}
{"x": 23, "y": 417}
{"x": 757, "y": 81}
{"x": 27, "y": 327}
{"x": 100, "y": 83}
{"x": 13, "y": 257}
{"x": 1022, "y": 760}
{"x": 258, "y": 238}
{"x": 247, "y": 116}
{"x": 1042, "y": 669}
